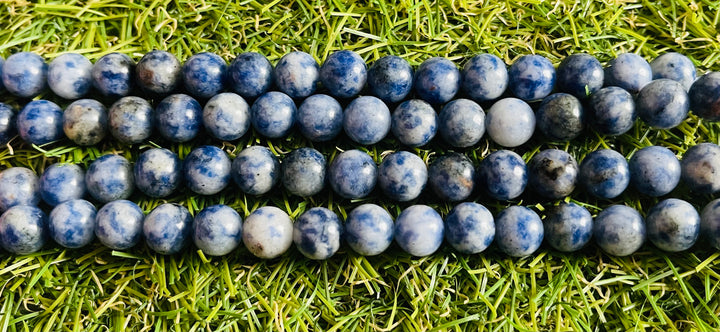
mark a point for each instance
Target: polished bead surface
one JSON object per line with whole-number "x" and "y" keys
{"x": 414, "y": 123}
{"x": 167, "y": 228}
{"x": 390, "y": 78}
{"x": 303, "y": 172}
{"x": 352, "y": 174}
{"x": 320, "y": 118}
{"x": 419, "y": 230}
{"x": 119, "y": 224}
{"x": 250, "y": 75}
{"x": 654, "y": 171}
{"x": 158, "y": 172}
{"x": 366, "y": 120}
{"x": 131, "y": 119}
{"x": 619, "y": 230}
{"x": 503, "y": 175}
{"x": 452, "y": 177}
{"x": 40, "y": 122}
{"x": 113, "y": 75}
{"x": 273, "y": 114}
{"x": 72, "y": 224}
{"x": 604, "y": 173}
{"x": 710, "y": 223}
{"x": 18, "y": 186}
{"x": 369, "y": 229}
{"x": 469, "y": 228}
{"x": 519, "y": 231}
{"x": 206, "y": 170}
{"x": 8, "y": 123}
{"x": 159, "y": 72}
{"x": 226, "y": 116}
{"x": 628, "y": 71}
{"x": 23, "y": 229}
{"x": 612, "y": 111}
{"x": 256, "y": 170}
{"x": 24, "y": 74}
{"x": 510, "y": 122}
{"x": 580, "y": 75}
{"x": 204, "y": 75}
{"x": 484, "y": 77}
{"x": 268, "y": 232}
{"x": 461, "y": 123}
{"x": 217, "y": 230}
{"x": 662, "y": 104}
{"x": 178, "y": 118}
{"x": 437, "y": 80}
{"x": 110, "y": 178}
{"x": 402, "y": 176}
{"x": 85, "y": 122}
{"x": 568, "y": 227}
{"x": 700, "y": 168}
{"x": 673, "y": 225}
{"x": 317, "y": 233}
{"x": 552, "y": 173}
{"x": 297, "y": 74}
{"x": 674, "y": 66}
{"x": 62, "y": 182}
{"x": 704, "y": 96}
{"x": 69, "y": 75}
{"x": 343, "y": 74}
{"x": 561, "y": 117}
{"x": 531, "y": 77}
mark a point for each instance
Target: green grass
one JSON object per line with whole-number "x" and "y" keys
{"x": 96, "y": 289}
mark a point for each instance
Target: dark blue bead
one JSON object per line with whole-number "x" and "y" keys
{"x": 485, "y": 77}
{"x": 320, "y": 118}
{"x": 178, "y": 118}
{"x": 619, "y": 230}
{"x": 85, "y": 122}
{"x": 72, "y": 223}
{"x": 628, "y": 71}
{"x": 18, "y": 186}
{"x": 674, "y": 66}
{"x": 24, "y": 74}
{"x": 352, "y": 174}
{"x": 226, "y": 116}
{"x": 317, "y": 233}
{"x": 612, "y": 111}
{"x": 704, "y": 96}
{"x": 568, "y": 227}
{"x": 159, "y": 72}
{"x": 131, "y": 119}
{"x": 469, "y": 228}
{"x": 461, "y": 123}
{"x": 40, "y": 122}
{"x": 402, "y": 176}
{"x": 654, "y": 171}
{"x": 510, "y": 122}
{"x": 503, "y": 175}
{"x": 8, "y": 123}
{"x": 414, "y": 123}
{"x": 167, "y": 228}
{"x": 158, "y": 172}
{"x": 69, "y": 75}
{"x": 710, "y": 223}
{"x": 580, "y": 75}
{"x": 110, "y": 178}
{"x": 366, "y": 120}
{"x": 273, "y": 114}
{"x": 268, "y": 232}
{"x": 531, "y": 77}
{"x": 673, "y": 225}
{"x": 452, "y": 177}
{"x": 217, "y": 230}
{"x": 62, "y": 182}
{"x": 204, "y": 75}
{"x": 206, "y": 170}
{"x": 250, "y": 74}
{"x": 561, "y": 117}
{"x": 23, "y": 229}
{"x": 519, "y": 231}
{"x": 256, "y": 170}
{"x": 419, "y": 230}
{"x": 553, "y": 173}
{"x": 369, "y": 229}
{"x": 297, "y": 74}
{"x": 113, "y": 75}
{"x": 437, "y": 80}
{"x": 344, "y": 74}
{"x": 700, "y": 168}
{"x": 390, "y": 78}
{"x": 303, "y": 172}
{"x": 604, "y": 173}
{"x": 119, "y": 224}
{"x": 663, "y": 104}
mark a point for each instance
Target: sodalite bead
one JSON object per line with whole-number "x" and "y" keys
{"x": 40, "y": 122}
{"x": 85, "y": 122}
{"x": 503, "y": 175}
{"x": 273, "y": 114}
{"x": 531, "y": 77}
{"x": 654, "y": 171}
{"x": 178, "y": 118}
{"x": 317, "y": 233}
{"x": 663, "y": 104}
{"x": 344, "y": 74}
{"x": 320, "y": 118}
{"x": 568, "y": 227}
{"x": 414, "y": 123}
{"x": 303, "y": 172}
{"x": 110, "y": 178}
{"x": 604, "y": 173}
{"x": 297, "y": 74}
{"x": 710, "y": 223}
{"x": 561, "y": 117}
{"x": 390, "y": 78}
{"x": 461, "y": 123}
{"x": 628, "y": 71}
{"x": 352, "y": 174}
{"x": 369, "y": 229}
{"x": 485, "y": 77}
{"x": 256, "y": 170}
{"x": 704, "y": 96}
{"x": 62, "y": 182}
{"x": 226, "y": 116}
{"x": 419, "y": 230}
{"x": 24, "y": 74}
{"x": 519, "y": 231}
{"x": 268, "y": 232}
{"x": 469, "y": 228}
{"x": 119, "y": 224}
{"x": 673, "y": 225}
{"x": 452, "y": 177}
{"x": 402, "y": 176}
{"x": 580, "y": 75}
{"x": 72, "y": 223}
{"x": 23, "y": 229}
{"x": 619, "y": 230}
{"x": 553, "y": 173}
{"x": 158, "y": 72}
{"x": 674, "y": 66}
{"x": 510, "y": 122}
{"x": 69, "y": 75}
{"x": 158, "y": 172}
{"x": 8, "y": 123}
{"x": 217, "y": 230}
{"x": 131, "y": 119}
{"x": 113, "y": 75}
{"x": 204, "y": 75}
{"x": 250, "y": 75}
{"x": 18, "y": 186}
{"x": 207, "y": 170}
{"x": 700, "y": 167}
{"x": 366, "y": 120}
{"x": 437, "y": 80}
{"x": 167, "y": 228}
{"x": 612, "y": 111}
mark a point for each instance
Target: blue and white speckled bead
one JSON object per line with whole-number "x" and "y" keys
{"x": 484, "y": 77}
{"x": 167, "y": 228}
{"x": 390, "y": 78}
{"x": 40, "y": 122}
{"x": 8, "y": 123}
{"x": 72, "y": 223}
{"x": 561, "y": 117}
{"x": 662, "y": 104}
{"x": 612, "y": 111}
{"x": 273, "y": 114}
{"x": 85, "y": 122}
{"x": 320, "y": 118}
{"x": 437, "y": 80}
{"x": 419, "y": 230}
{"x": 461, "y": 123}
{"x": 619, "y": 230}
{"x": 207, "y": 170}
{"x": 119, "y": 224}
{"x": 131, "y": 120}
{"x": 628, "y": 71}
{"x": 503, "y": 175}
{"x": 568, "y": 227}
{"x": 604, "y": 173}
{"x": 303, "y": 172}
{"x": 510, "y": 122}
{"x": 217, "y": 230}
{"x": 414, "y": 123}
{"x": 673, "y": 225}
{"x": 580, "y": 75}
{"x": 18, "y": 186}
{"x": 178, "y": 118}
{"x": 519, "y": 231}
{"x": 110, "y": 178}
{"x": 553, "y": 173}
{"x": 344, "y": 74}
{"x": 113, "y": 75}
{"x": 654, "y": 171}
{"x": 158, "y": 172}
{"x": 469, "y": 228}
{"x": 531, "y": 77}
{"x": 402, "y": 176}
{"x": 452, "y": 177}
{"x": 268, "y": 232}
{"x": 317, "y": 233}
{"x": 700, "y": 168}
{"x": 297, "y": 74}
{"x": 250, "y": 75}
{"x": 226, "y": 116}
{"x": 256, "y": 170}
{"x": 352, "y": 174}
{"x": 710, "y": 223}
{"x": 674, "y": 66}
{"x": 704, "y": 96}
{"x": 62, "y": 182}
{"x": 69, "y": 76}
{"x": 204, "y": 75}
{"x": 369, "y": 229}
{"x": 366, "y": 120}
{"x": 23, "y": 229}
{"x": 158, "y": 72}
{"x": 24, "y": 74}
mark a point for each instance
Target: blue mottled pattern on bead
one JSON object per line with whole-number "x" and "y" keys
{"x": 159, "y": 72}
{"x": 674, "y": 66}
{"x": 654, "y": 171}
{"x": 204, "y": 75}
{"x": 250, "y": 74}
{"x": 40, "y": 122}
{"x": 700, "y": 168}
{"x": 69, "y": 75}
{"x": 390, "y": 78}
{"x": 217, "y": 230}
{"x": 503, "y": 175}
{"x": 18, "y": 186}
{"x": 273, "y": 114}
{"x": 461, "y": 123}
{"x": 519, "y": 231}
{"x": 320, "y": 118}
{"x": 568, "y": 227}
{"x": 24, "y": 74}
{"x": 612, "y": 111}
{"x": 352, "y": 174}
{"x": 553, "y": 173}
{"x": 580, "y": 75}
{"x": 673, "y": 225}
{"x": 8, "y": 123}
{"x": 178, "y": 118}
{"x": 419, "y": 230}
{"x": 414, "y": 123}
{"x": 113, "y": 75}
{"x": 85, "y": 122}
{"x": 110, "y": 178}
{"x": 710, "y": 223}
{"x": 62, "y": 182}
{"x": 131, "y": 119}
{"x": 484, "y": 77}
{"x": 317, "y": 233}
{"x": 452, "y": 177}
{"x": 344, "y": 74}
{"x": 469, "y": 228}
{"x": 510, "y": 122}
{"x": 619, "y": 230}
{"x": 72, "y": 223}
{"x": 256, "y": 170}
{"x": 167, "y": 228}
{"x": 226, "y": 116}
{"x": 604, "y": 173}
{"x": 366, "y": 120}
{"x": 158, "y": 172}
{"x": 704, "y": 96}
{"x": 437, "y": 80}
{"x": 369, "y": 229}
{"x": 206, "y": 170}
{"x": 268, "y": 232}
{"x": 23, "y": 229}
{"x": 628, "y": 71}
{"x": 662, "y": 104}
{"x": 297, "y": 74}
{"x": 531, "y": 77}
{"x": 303, "y": 172}
{"x": 561, "y": 117}
{"x": 119, "y": 224}
{"x": 402, "y": 176}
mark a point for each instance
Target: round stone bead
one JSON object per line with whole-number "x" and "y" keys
{"x": 113, "y": 75}
{"x": 469, "y": 228}
{"x": 452, "y": 177}
{"x": 414, "y": 123}
{"x": 268, "y": 232}
{"x": 619, "y": 230}
{"x": 62, "y": 182}
{"x": 303, "y": 172}
{"x": 317, "y": 233}
{"x": 40, "y": 122}
{"x": 553, "y": 173}
{"x": 204, "y": 75}
{"x": 24, "y": 74}
{"x": 352, "y": 174}
{"x": 8, "y": 123}
{"x": 710, "y": 223}
{"x": 320, "y": 118}
{"x": 580, "y": 75}
{"x": 700, "y": 167}
{"x": 119, "y": 224}
{"x": 217, "y": 230}
{"x": 519, "y": 232}
{"x": 256, "y": 170}
{"x": 158, "y": 172}
{"x": 130, "y": 120}
{"x": 178, "y": 118}
{"x": 673, "y": 225}
{"x": 568, "y": 227}
{"x": 662, "y": 104}
{"x": 85, "y": 122}
{"x": 167, "y": 228}
{"x": 390, "y": 78}
{"x": 18, "y": 186}
{"x": 273, "y": 114}
{"x": 419, "y": 230}
{"x": 206, "y": 170}
{"x": 561, "y": 117}
{"x": 297, "y": 74}
{"x": 612, "y": 111}
{"x": 628, "y": 71}
{"x": 366, "y": 120}
{"x": 654, "y": 171}
{"x": 226, "y": 116}
{"x": 69, "y": 75}
{"x": 250, "y": 75}
{"x": 674, "y": 66}
{"x": 704, "y": 96}
{"x": 510, "y": 122}
{"x": 110, "y": 178}
{"x": 369, "y": 229}
{"x": 531, "y": 77}
{"x": 23, "y": 229}
{"x": 344, "y": 74}
{"x": 484, "y": 77}
{"x": 437, "y": 80}
{"x": 503, "y": 175}
{"x": 72, "y": 223}
{"x": 461, "y": 123}
{"x": 159, "y": 72}
{"x": 402, "y": 176}
{"x": 604, "y": 173}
